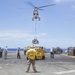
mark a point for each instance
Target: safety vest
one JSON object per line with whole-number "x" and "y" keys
{"x": 31, "y": 54}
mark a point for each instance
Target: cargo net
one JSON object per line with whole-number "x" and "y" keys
{"x": 35, "y": 41}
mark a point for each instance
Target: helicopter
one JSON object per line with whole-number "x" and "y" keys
{"x": 35, "y": 12}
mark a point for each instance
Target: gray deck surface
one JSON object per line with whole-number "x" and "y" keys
{"x": 60, "y": 65}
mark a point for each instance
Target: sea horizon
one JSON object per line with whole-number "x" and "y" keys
{"x": 22, "y": 49}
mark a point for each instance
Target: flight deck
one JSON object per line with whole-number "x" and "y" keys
{"x": 61, "y": 64}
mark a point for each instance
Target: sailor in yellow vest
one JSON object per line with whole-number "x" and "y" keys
{"x": 30, "y": 54}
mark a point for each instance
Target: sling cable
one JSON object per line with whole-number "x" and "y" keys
{"x": 35, "y": 40}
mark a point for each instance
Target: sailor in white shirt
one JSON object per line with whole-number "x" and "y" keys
{"x": 5, "y": 52}
{"x": 51, "y": 53}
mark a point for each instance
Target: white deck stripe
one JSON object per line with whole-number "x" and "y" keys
{"x": 0, "y": 67}
{"x": 7, "y": 64}
{"x": 64, "y": 72}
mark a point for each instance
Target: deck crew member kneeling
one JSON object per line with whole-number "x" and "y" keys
{"x": 30, "y": 54}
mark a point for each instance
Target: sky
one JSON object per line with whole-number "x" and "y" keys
{"x": 56, "y": 27}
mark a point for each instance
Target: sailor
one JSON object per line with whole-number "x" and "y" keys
{"x": 18, "y": 53}
{"x": 5, "y": 52}
{"x": 25, "y": 49}
{"x": 1, "y": 52}
{"x": 52, "y": 53}
{"x": 30, "y": 54}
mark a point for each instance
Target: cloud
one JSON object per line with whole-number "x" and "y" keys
{"x": 61, "y": 42}
{"x": 18, "y": 34}
{"x": 59, "y": 1}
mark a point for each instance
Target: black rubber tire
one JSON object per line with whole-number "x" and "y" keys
{"x": 43, "y": 57}
{"x": 27, "y": 58}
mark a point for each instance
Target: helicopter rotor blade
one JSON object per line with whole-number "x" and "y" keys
{"x": 30, "y": 4}
{"x": 39, "y": 9}
{"x": 46, "y": 6}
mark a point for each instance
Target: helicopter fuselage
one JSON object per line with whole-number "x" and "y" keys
{"x": 35, "y": 14}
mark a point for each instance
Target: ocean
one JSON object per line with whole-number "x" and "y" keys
{"x": 15, "y": 49}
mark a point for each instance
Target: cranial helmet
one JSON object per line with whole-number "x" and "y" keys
{"x": 32, "y": 46}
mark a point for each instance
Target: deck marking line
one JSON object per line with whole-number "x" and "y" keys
{"x": 0, "y": 67}
{"x": 64, "y": 72}
{"x": 69, "y": 56}
{"x": 7, "y": 64}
